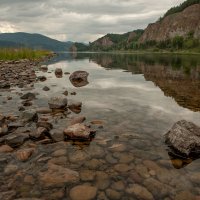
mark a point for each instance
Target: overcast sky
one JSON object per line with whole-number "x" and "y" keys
{"x": 80, "y": 20}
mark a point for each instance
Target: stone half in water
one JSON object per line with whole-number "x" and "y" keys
{"x": 57, "y": 103}
{"x": 78, "y": 131}
{"x": 79, "y": 78}
{"x": 184, "y": 137}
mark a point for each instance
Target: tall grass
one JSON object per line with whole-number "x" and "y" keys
{"x": 22, "y": 53}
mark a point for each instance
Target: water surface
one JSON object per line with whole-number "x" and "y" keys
{"x": 138, "y": 98}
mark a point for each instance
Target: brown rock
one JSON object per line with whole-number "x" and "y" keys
{"x": 83, "y": 192}
{"x": 77, "y": 120}
{"x": 5, "y": 149}
{"x": 23, "y": 155}
{"x": 140, "y": 192}
{"x": 57, "y": 176}
{"x": 185, "y": 195}
{"x": 112, "y": 194}
{"x": 78, "y": 131}
{"x": 79, "y": 78}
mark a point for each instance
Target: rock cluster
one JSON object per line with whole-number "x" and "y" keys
{"x": 16, "y": 73}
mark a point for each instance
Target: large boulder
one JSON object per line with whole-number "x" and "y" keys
{"x": 184, "y": 136}
{"x": 79, "y": 78}
{"x": 57, "y": 103}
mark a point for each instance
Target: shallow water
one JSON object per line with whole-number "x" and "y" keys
{"x": 138, "y": 98}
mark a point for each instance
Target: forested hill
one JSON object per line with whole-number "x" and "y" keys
{"x": 34, "y": 41}
{"x": 179, "y": 28}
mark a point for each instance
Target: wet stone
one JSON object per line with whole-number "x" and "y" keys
{"x": 10, "y": 169}
{"x": 57, "y": 102}
{"x": 77, "y": 120}
{"x": 28, "y": 96}
{"x": 57, "y": 135}
{"x": 45, "y": 88}
{"x": 8, "y": 195}
{"x": 24, "y": 154}
{"x": 87, "y": 175}
{"x": 5, "y": 149}
{"x": 43, "y": 110}
{"x": 119, "y": 186}
{"x": 83, "y": 192}
{"x": 94, "y": 164}
{"x": 57, "y": 176}
{"x": 112, "y": 194}
{"x": 16, "y": 140}
{"x": 29, "y": 116}
{"x": 122, "y": 168}
{"x": 102, "y": 180}
{"x": 140, "y": 192}
{"x": 184, "y": 195}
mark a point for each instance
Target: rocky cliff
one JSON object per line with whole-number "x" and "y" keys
{"x": 181, "y": 23}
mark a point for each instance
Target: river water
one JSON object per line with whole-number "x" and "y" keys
{"x": 137, "y": 99}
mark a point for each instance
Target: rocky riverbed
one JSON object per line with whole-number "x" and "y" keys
{"x": 50, "y": 150}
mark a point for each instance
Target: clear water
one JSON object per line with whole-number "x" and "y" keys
{"x": 139, "y": 98}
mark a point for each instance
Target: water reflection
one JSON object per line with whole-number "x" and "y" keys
{"x": 127, "y": 151}
{"x": 178, "y": 76}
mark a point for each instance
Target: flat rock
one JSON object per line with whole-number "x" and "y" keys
{"x": 5, "y": 149}
{"x": 77, "y": 120}
{"x": 83, "y": 192}
{"x": 43, "y": 110}
{"x": 140, "y": 192}
{"x": 58, "y": 176}
{"x": 78, "y": 131}
{"x": 184, "y": 136}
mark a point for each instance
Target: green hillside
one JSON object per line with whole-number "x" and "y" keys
{"x": 34, "y": 41}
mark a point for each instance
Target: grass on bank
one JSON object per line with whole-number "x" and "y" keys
{"x": 22, "y": 53}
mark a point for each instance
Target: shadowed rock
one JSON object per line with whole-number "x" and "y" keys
{"x": 79, "y": 78}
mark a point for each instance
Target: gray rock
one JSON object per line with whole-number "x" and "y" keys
{"x": 79, "y": 78}
{"x": 184, "y": 136}
{"x": 58, "y": 71}
{"x": 45, "y": 88}
{"x": 45, "y": 124}
{"x": 57, "y": 102}
{"x": 29, "y": 116}
{"x": 29, "y": 96}
{"x": 38, "y": 133}
{"x": 75, "y": 107}
{"x": 16, "y": 140}
{"x": 57, "y": 135}
{"x": 42, "y": 78}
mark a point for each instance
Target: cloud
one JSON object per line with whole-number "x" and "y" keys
{"x": 80, "y": 20}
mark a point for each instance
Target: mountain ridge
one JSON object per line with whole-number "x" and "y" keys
{"x": 33, "y": 40}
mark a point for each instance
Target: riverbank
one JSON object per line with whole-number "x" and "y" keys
{"x": 10, "y": 54}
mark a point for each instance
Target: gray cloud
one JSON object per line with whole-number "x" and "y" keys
{"x": 80, "y": 20}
